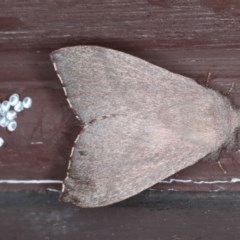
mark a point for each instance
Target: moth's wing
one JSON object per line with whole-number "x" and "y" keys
{"x": 101, "y": 81}
{"x": 143, "y": 123}
{"x": 120, "y": 156}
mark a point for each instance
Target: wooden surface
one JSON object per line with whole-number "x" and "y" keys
{"x": 152, "y": 216}
{"x": 191, "y": 38}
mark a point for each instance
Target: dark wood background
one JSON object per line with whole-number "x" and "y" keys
{"x": 153, "y": 216}
{"x": 191, "y": 38}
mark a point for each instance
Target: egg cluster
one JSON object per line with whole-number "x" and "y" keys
{"x": 8, "y": 112}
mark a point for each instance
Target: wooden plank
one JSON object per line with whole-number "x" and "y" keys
{"x": 190, "y": 38}
{"x": 175, "y": 216}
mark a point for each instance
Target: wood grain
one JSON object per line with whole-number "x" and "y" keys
{"x": 175, "y": 216}
{"x": 189, "y": 38}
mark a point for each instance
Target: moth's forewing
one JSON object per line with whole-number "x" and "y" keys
{"x": 143, "y": 123}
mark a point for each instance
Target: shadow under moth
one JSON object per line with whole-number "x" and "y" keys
{"x": 142, "y": 123}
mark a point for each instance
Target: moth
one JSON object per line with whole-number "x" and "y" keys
{"x": 142, "y": 123}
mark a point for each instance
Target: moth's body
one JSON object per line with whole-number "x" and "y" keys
{"x": 142, "y": 123}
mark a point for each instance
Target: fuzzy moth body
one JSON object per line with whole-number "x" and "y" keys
{"x": 142, "y": 123}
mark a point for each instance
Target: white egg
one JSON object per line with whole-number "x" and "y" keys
{"x": 11, "y": 115}
{"x": 3, "y": 122}
{"x": 12, "y": 125}
{"x": 18, "y": 107}
{"x": 14, "y": 99}
{"x": 27, "y": 102}
{"x": 2, "y": 113}
{"x": 5, "y": 106}
{"x": 1, "y": 141}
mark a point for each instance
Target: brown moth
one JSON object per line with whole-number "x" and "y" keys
{"x": 142, "y": 123}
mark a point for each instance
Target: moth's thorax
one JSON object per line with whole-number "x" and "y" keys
{"x": 226, "y": 118}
